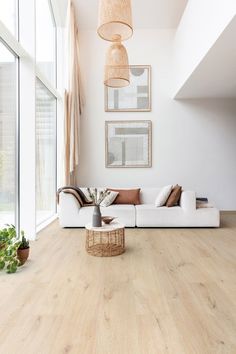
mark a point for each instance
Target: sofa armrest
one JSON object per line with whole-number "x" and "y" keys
{"x": 68, "y": 209}
{"x": 67, "y": 200}
{"x": 188, "y": 201}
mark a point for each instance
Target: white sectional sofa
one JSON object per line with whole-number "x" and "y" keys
{"x": 144, "y": 215}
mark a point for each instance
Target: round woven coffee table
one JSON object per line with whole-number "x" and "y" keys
{"x": 105, "y": 241}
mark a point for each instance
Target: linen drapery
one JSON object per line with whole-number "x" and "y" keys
{"x": 73, "y": 101}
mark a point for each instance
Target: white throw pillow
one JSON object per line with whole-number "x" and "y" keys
{"x": 109, "y": 199}
{"x": 86, "y": 194}
{"x": 163, "y": 196}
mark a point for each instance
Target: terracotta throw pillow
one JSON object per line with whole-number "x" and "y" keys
{"x": 127, "y": 196}
{"x": 174, "y": 196}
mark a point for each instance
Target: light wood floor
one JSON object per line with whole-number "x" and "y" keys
{"x": 172, "y": 292}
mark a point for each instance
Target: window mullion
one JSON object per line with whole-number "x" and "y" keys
{"x": 46, "y": 83}
{"x": 12, "y": 42}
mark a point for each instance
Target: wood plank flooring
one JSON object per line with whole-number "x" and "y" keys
{"x": 172, "y": 292}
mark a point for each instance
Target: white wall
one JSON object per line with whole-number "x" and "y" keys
{"x": 201, "y": 25}
{"x": 215, "y": 76}
{"x": 194, "y": 141}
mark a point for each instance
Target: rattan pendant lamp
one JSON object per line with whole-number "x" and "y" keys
{"x": 115, "y": 25}
{"x": 117, "y": 66}
{"x": 115, "y": 18}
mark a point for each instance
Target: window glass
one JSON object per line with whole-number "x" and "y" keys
{"x": 45, "y": 40}
{"x": 8, "y": 14}
{"x": 8, "y": 117}
{"x": 45, "y": 153}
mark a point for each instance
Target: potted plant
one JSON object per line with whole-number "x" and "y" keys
{"x": 23, "y": 250}
{"x": 9, "y": 244}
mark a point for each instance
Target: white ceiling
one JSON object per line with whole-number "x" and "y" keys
{"x": 146, "y": 13}
{"x": 215, "y": 76}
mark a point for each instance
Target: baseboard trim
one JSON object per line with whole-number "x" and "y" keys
{"x": 227, "y": 211}
{"x": 46, "y": 223}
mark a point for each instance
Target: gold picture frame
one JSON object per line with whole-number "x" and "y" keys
{"x": 128, "y": 144}
{"x": 133, "y": 98}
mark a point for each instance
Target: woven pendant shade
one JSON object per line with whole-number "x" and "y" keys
{"x": 115, "y": 19}
{"x": 117, "y": 66}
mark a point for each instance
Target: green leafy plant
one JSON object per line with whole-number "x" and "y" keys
{"x": 9, "y": 244}
{"x": 24, "y": 242}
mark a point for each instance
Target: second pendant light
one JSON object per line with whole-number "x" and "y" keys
{"x": 117, "y": 66}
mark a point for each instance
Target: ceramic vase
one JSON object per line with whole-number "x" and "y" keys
{"x": 97, "y": 217}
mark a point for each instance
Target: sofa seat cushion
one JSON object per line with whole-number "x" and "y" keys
{"x": 148, "y": 215}
{"x": 125, "y": 214}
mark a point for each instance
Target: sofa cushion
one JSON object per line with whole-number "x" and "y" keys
{"x": 148, "y": 195}
{"x": 148, "y": 215}
{"x": 125, "y": 213}
{"x": 163, "y": 195}
{"x": 86, "y": 194}
{"x": 127, "y": 196}
{"x": 109, "y": 199}
{"x": 174, "y": 196}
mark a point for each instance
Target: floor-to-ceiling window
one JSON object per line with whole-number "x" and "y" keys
{"x": 46, "y": 41}
{"x": 9, "y": 15}
{"x": 8, "y": 136}
{"x": 45, "y": 153}
{"x": 29, "y": 105}
{"x": 8, "y": 119}
{"x": 45, "y": 112}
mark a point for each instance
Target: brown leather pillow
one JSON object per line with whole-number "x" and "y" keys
{"x": 127, "y": 196}
{"x": 174, "y": 196}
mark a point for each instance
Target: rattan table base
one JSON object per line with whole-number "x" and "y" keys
{"x": 105, "y": 242}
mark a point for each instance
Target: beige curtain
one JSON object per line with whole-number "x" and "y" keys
{"x": 73, "y": 101}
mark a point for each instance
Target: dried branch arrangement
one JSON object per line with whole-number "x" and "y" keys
{"x": 97, "y": 196}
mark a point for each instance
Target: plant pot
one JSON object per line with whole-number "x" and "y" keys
{"x": 22, "y": 255}
{"x": 97, "y": 217}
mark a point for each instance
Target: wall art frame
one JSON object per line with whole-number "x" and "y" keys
{"x": 128, "y": 144}
{"x": 134, "y": 98}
